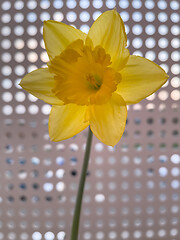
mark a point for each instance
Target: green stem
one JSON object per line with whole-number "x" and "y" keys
{"x": 77, "y": 211}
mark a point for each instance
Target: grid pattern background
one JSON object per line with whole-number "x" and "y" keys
{"x": 132, "y": 190}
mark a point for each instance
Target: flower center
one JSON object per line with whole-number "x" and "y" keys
{"x": 94, "y": 81}
{"x": 82, "y": 75}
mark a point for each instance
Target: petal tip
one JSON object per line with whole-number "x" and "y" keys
{"x": 167, "y": 76}
{"x": 115, "y": 11}
{"x": 52, "y": 139}
{"x": 46, "y": 22}
{"x": 21, "y": 84}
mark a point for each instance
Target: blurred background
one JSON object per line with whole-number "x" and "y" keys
{"x": 132, "y": 190}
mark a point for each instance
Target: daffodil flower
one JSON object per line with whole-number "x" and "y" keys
{"x": 91, "y": 78}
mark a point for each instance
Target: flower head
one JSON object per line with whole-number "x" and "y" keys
{"x": 91, "y": 78}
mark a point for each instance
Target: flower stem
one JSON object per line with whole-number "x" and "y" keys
{"x": 77, "y": 211}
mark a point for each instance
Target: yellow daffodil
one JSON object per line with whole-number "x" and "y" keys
{"x": 91, "y": 78}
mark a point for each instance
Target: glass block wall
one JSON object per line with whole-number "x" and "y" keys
{"x": 132, "y": 190}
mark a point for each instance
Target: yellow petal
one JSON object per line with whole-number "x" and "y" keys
{"x": 108, "y": 31}
{"x": 57, "y": 36}
{"x": 40, "y": 83}
{"x": 66, "y": 121}
{"x": 108, "y": 121}
{"x": 140, "y": 78}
